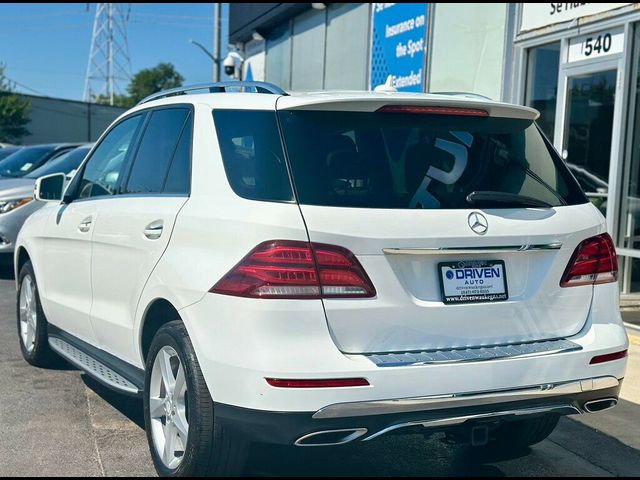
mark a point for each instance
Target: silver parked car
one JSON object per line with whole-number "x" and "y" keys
{"x": 16, "y": 197}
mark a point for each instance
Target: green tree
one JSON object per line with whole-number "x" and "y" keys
{"x": 145, "y": 83}
{"x": 152, "y": 80}
{"x": 13, "y": 111}
{"x": 118, "y": 101}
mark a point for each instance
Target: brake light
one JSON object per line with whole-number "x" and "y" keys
{"x": 316, "y": 383}
{"x": 423, "y": 109}
{"x": 292, "y": 269}
{"x": 609, "y": 357}
{"x": 594, "y": 261}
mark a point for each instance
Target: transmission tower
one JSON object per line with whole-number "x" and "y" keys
{"x": 109, "y": 66}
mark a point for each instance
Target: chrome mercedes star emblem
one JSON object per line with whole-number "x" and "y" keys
{"x": 478, "y": 223}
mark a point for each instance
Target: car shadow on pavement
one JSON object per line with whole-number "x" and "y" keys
{"x": 573, "y": 448}
{"x": 6, "y": 272}
{"x": 130, "y": 407}
{"x": 396, "y": 455}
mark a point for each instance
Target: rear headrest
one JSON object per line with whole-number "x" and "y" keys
{"x": 339, "y": 144}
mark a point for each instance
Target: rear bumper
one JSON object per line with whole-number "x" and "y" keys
{"x": 239, "y": 343}
{"x": 364, "y": 421}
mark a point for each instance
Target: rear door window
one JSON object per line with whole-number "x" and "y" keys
{"x": 408, "y": 161}
{"x": 158, "y": 147}
{"x": 179, "y": 177}
{"x": 252, "y": 154}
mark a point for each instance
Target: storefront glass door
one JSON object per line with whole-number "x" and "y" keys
{"x": 588, "y": 127}
{"x": 585, "y": 130}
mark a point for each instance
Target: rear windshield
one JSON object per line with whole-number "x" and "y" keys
{"x": 406, "y": 161}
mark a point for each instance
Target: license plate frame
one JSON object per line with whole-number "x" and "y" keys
{"x": 473, "y": 293}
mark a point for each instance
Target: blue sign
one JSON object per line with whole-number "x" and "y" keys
{"x": 399, "y": 43}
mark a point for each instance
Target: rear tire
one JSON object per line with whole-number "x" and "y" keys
{"x": 187, "y": 410}
{"x": 32, "y": 324}
{"x": 519, "y": 434}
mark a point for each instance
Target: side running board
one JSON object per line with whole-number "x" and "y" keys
{"x": 108, "y": 370}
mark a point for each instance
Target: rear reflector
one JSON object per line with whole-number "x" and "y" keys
{"x": 594, "y": 261}
{"x": 609, "y": 357}
{"x": 421, "y": 109}
{"x": 323, "y": 383}
{"x": 292, "y": 269}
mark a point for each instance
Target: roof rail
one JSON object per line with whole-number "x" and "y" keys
{"x": 217, "y": 87}
{"x": 463, "y": 94}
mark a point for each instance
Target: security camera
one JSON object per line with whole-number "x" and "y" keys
{"x": 229, "y": 65}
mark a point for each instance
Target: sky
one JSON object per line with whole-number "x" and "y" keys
{"x": 45, "y": 47}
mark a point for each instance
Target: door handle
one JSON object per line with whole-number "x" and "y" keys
{"x": 153, "y": 231}
{"x": 85, "y": 225}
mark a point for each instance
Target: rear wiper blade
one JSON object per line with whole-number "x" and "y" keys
{"x": 489, "y": 196}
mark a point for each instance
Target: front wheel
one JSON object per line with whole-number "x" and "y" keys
{"x": 184, "y": 437}
{"x": 32, "y": 324}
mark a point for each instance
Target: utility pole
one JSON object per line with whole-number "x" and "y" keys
{"x": 109, "y": 65}
{"x": 217, "y": 19}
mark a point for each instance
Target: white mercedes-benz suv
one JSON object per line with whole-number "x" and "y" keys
{"x": 326, "y": 268}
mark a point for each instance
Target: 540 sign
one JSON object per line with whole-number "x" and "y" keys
{"x": 596, "y": 45}
{"x": 600, "y": 44}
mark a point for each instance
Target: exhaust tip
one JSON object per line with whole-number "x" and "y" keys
{"x": 326, "y": 438}
{"x": 600, "y": 405}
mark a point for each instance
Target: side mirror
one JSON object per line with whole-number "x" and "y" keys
{"x": 49, "y": 188}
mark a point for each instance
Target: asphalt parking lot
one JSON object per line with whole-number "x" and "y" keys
{"x": 58, "y": 422}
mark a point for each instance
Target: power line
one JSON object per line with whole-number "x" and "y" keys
{"x": 49, "y": 72}
{"x": 43, "y": 15}
{"x": 180, "y": 17}
{"x": 22, "y": 85}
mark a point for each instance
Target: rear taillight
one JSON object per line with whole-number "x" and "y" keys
{"x": 594, "y": 261}
{"x": 292, "y": 269}
{"x": 434, "y": 110}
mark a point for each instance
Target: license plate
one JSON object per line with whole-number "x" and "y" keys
{"x": 473, "y": 281}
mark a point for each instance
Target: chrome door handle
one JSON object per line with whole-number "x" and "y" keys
{"x": 153, "y": 231}
{"x": 85, "y": 225}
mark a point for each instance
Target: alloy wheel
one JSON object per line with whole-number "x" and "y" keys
{"x": 168, "y": 407}
{"x": 28, "y": 313}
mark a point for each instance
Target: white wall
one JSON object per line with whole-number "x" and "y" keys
{"x": 468, "y": 48}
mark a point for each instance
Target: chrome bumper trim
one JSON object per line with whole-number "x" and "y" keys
{"x": 472, "y": 250}
{"x": 472, "y": 354}
{"x": 435, "y": 402}
{"x": 351, "y": 434}
{"x": 446, "y": 422}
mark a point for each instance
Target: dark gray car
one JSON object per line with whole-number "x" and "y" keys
{"x": 6, "y": 151}
{"x": 28, "y": 159}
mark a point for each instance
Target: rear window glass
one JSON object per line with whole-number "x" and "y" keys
{"x": 252, "y": 154}
{"x": 157, "y": 148}
{"x": 407, "y": 161}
